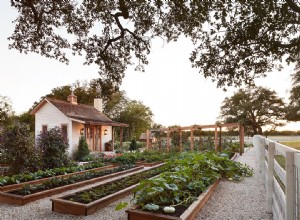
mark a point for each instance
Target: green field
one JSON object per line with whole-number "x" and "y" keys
{"x": 293, "y": 144}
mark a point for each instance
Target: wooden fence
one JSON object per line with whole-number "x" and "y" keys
{"x": 280, "y": 169}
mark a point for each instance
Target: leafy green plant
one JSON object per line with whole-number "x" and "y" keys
{"x": 61, "y": 181}
{"x": 17, "y": 147}
{"x": 53, "y": 148}
{"x": 125, "y": 159}
{"x": 192, "y": 173}
{"x": 25, "y": 177}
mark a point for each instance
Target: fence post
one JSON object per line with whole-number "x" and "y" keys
{"x": 262, "y": 156}
{"x": 270, "y": 173}
{"x": 290, "y": 190}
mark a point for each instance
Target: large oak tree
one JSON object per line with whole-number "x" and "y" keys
{"x": 293, "y": 109}
{"x": 235, "y": 40}
{"x": 255, "y": 108}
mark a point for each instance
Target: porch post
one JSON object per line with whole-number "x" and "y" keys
{"x": 113, "y": 137}
{"x": 121, "y": 137}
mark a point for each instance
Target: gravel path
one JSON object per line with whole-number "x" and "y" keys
{"x": 239, "y": 200}
{"x": 234, "y": 201}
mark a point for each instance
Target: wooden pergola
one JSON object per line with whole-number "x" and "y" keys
{"x": 218, "y": 130}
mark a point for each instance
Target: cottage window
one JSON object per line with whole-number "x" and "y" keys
{"x": 44, "y": 128}
{"x": 64, "y": 132}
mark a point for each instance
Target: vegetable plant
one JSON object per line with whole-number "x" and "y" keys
{"x": 192, "y": 173}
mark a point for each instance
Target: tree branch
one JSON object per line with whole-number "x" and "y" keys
{"x": 293, "y": 6}
{"x": 123, "y": 13}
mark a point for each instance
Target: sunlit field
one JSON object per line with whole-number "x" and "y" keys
{"x": 293, "y": 144}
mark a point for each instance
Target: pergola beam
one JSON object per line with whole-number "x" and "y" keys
{"x": 200, "y": 127}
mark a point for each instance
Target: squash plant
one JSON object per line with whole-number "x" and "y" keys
{"x": 192, "y": 174}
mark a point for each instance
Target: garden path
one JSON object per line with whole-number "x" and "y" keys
{"x": 239, "y": 200}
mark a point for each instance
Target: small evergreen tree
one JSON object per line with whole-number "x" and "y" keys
{"x": 83, "y": 149}
{"x": 133, "y": 145}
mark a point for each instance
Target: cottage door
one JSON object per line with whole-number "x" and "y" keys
{"x": 98, "y": 138}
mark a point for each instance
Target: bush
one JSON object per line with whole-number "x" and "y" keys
{"x": 133, "y": 145}
{"x": 82, "y": 150}
{"x": 53, "y": 148}
{"x": 125, "y": 159}
{"x": 17, "y": 149}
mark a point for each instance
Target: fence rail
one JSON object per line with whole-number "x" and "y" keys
{"x": 280, "y": 169}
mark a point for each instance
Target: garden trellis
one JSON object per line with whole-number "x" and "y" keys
{"x": 217, "y": 135}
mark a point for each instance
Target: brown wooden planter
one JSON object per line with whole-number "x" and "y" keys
{"x": 7, "y": 197}
{"x": 38, "y": 181}
{"x": 145, "y": 164}
{"x": 189, "y": 214}
{"x": 75, "y": 208}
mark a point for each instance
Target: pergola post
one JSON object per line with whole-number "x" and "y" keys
{"x": 200, "y": 140}
{"x": 242, "y": 136}
{"x": 192, "y": 139}
{"x": 180, "y": 140}
{"x": 168, "y": 140}
{"x": 148, "y": 139}
{"x": 159, "y": 141}
{"x": 220, "y": 140}
{"x": 216, "y": 137}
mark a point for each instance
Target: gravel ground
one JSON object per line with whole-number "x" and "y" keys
{"x": 242, "y": 200}
{"x": 239, "y": 200}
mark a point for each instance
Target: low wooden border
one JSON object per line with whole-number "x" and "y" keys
{"x": 9, "y": 198}
{"x": 189, "y": 214}
{"x": 145, "y": 164}
{"x": 61, "y": 205}
{"x": 37, "y": 181}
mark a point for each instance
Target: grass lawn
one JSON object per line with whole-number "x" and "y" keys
{"x": 293, "y": 144}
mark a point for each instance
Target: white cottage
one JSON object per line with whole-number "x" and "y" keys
{"x": 76, "y": 120}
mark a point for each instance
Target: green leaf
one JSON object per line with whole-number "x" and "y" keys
{"x": 121, "y": 206}
{"x": 152, "y": 207}
{"x": 171, "y": 186}
{"x": 158, "y": 189}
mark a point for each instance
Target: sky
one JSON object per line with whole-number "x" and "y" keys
{"x": 175, "y": 92}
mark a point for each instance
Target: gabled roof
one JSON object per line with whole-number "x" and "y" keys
{"x": 79, "y": 112}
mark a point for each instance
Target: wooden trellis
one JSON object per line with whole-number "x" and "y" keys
{"x": 200, "y": 127}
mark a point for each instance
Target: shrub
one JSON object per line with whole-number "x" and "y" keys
{"x": 83, "y": 150}
{"x": 125, "y": 159}
{"x": 53, "y": 148}
{"x": 17, "y": 149}
{"x": 133, "y": 145}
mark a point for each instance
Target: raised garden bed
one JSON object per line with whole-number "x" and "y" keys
{"x": 188, "y": 214}
{"x": 145, "y": 164}
{"x": 73, "y": 204}
{"x": 38, "y": 181}
{"x": 11, "y": 197}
